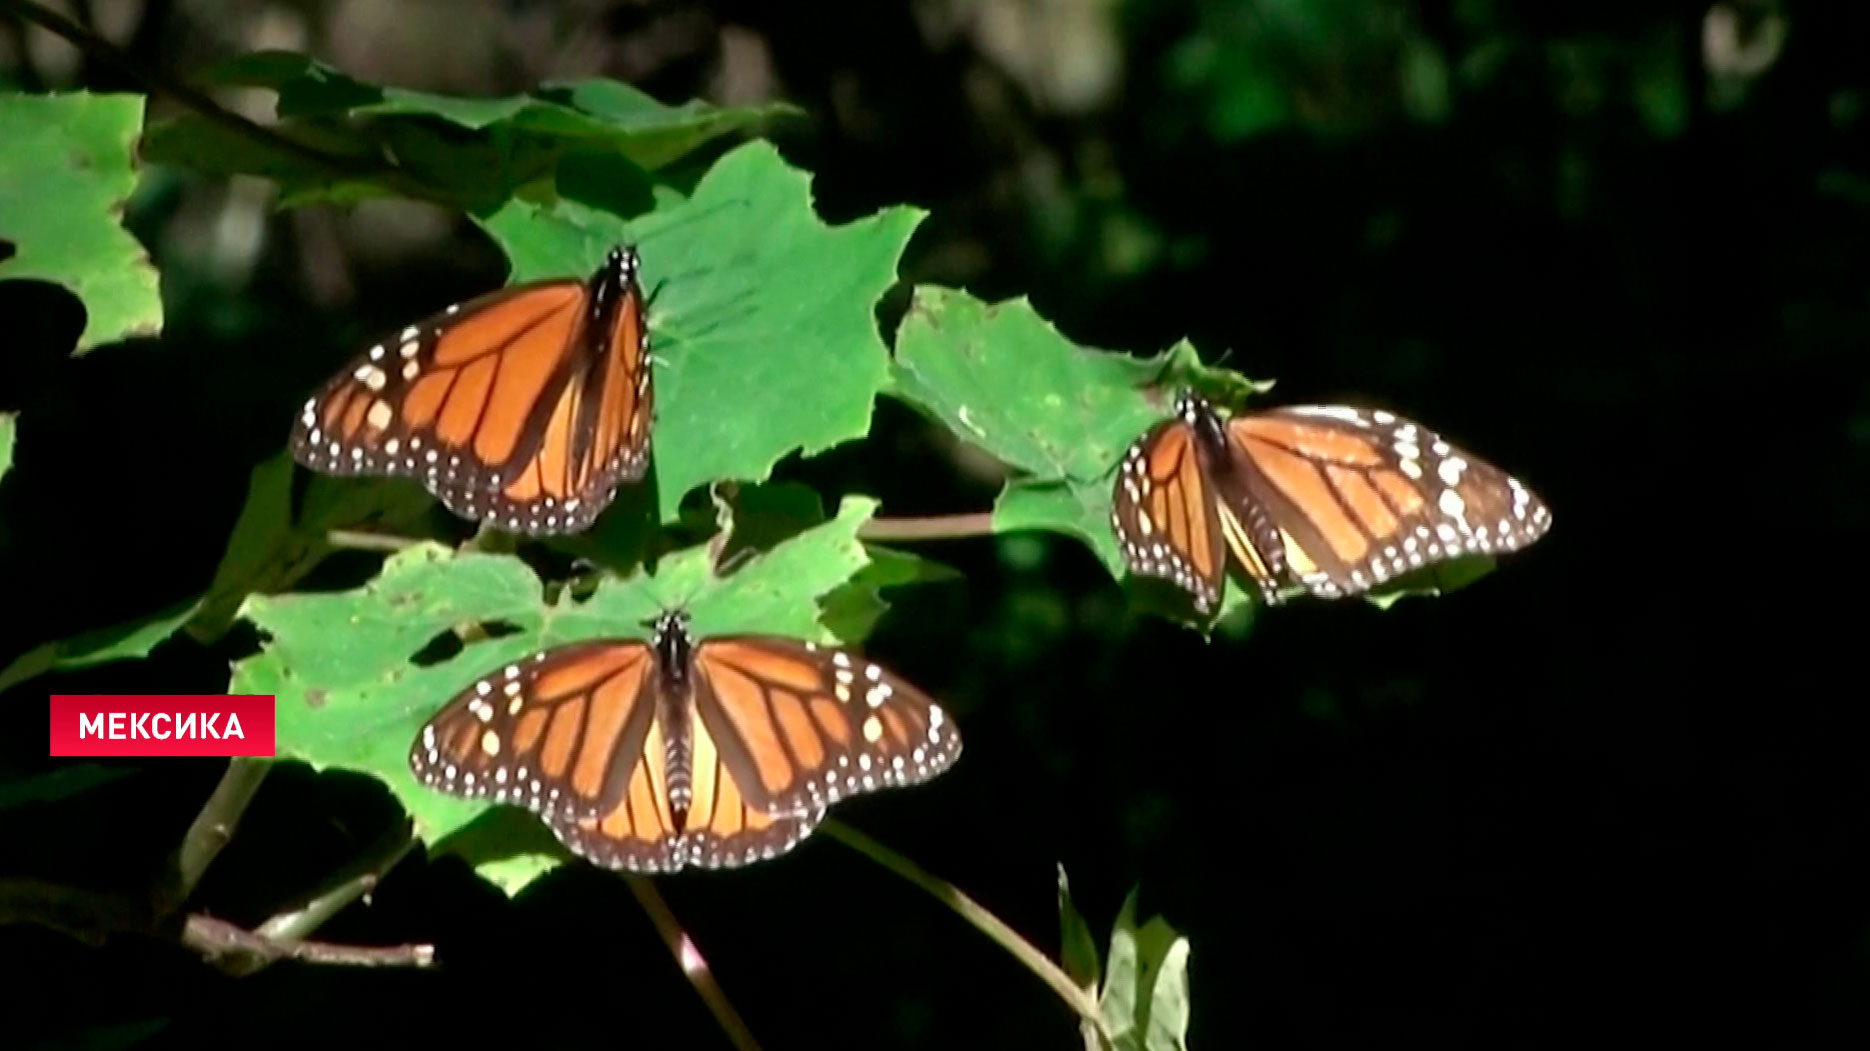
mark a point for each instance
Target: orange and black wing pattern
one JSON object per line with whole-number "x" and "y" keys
{"x": 560, "y": 733}
{"x": 1360, "y": 496}
{"x": 1329, "y": 498}
{"x": 524, "y": 408}
{"x": 655, "y": 757}
{"x": 800, "y": 726}
{"x": 685, "y": 808}
{"x": 1164, "y": 512}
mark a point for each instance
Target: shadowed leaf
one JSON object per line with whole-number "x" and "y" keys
{"x": 65, "y": 174}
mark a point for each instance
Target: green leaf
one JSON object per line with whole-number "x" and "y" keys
{"x": 764, "y": 330}
{"x": 356, "y": 140}
{"x": 307, "y": 87}
{"x": 9, "y": 426}
{"x": 59, "y": 783}
{"x": 65, "y": 175}
{"x": 1119, "y": 1001}
{"x": 1077, "y": 947}
{"x": 1003, "y": 378}
{"x": 852, "y": 610}
{"x": 100, "y": 646}
{"x": 1077, "y": 510}
{"x": 109, "y": 1036}
{"x": 350, "y": 694}
{"x": 654, "y": 135}
{"x": 764, "y": 515}
{"x": 312, "y": 165}
{"x": 269, "y": 551}
{"x": 1062, "y": 416}
{"x": 1145, "y": 1000}
{"x": 1440, "y": 579}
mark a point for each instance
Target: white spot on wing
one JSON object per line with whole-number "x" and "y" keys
{"x": 1452, "y": 505}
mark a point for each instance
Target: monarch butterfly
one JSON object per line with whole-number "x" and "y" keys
{"x": 524, "y": 408}
{"x": 1329, "y": 497}
{"x": 654, "y": 756}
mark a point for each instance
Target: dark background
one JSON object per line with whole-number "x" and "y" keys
{"x": 1617, "y": 787}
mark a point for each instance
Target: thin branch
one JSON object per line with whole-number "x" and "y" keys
{"x": 26, "y": 72}
{"x": 694, "y": 966}
{"x": 970, "y": 910}
{"x": 357, "y": 540}
{"x": 489, "y": 539}
{"x": 211, "y": 830}
{"x": 356, "y": 881}
{"x": 93, "y": 916}
{"x": 97, "y": 47}
{"x": 935, "y": 527}
{"x": 240, "y": 951}
{"x": 89, "y": 916}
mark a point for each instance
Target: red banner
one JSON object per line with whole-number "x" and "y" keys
{"x": 156, "y": 725}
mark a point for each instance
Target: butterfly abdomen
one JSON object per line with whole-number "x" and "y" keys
{"x": 675, "y": 654}
{"x": 679, "y": 757}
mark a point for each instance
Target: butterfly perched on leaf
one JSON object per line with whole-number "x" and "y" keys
{"x": 1329, "y": 498}
{"x": 653, "y": 756}
{"x": 524, "y": 408}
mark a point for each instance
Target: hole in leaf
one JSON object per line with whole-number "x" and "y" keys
{"x": 446, "y": 645}
{"x": 438, "y": 649}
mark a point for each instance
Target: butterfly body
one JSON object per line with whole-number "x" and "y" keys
{"x": 654, "y": 756}
{"x": 1329, "y": 498}
{"x": 525, "y": 408}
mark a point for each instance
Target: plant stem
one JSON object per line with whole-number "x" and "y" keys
{"x": 489, "y": 539}
{"x": 356, "y": 882}
{"x": 357, "y": 540}
{"x": 93, "y": 916}
{"x": 694, "y": 966}
{"x": 242, "y": 952}
{"x": 933, "y": 527}
{"x": 89, "y": 916}
{"x": 103, "y": 50}
{"x": 211, "y": 831}
{"x": 972, "y": 911}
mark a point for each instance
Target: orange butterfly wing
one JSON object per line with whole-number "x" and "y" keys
{"x": 800, "y": 726}
{"x": 716, "y": 828}
{"x": 525, "y": 407}
{"x": 638, "y": 766}
{"x": 1165, "y": 516}
{"x": 559, "y": 733}
{"x": 1361, "y": 496}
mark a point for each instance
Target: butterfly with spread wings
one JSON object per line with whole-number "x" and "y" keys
{"x": 652, "y": 756}
{"x": 1334, "y": 499}
{"x": 524, "y": 408}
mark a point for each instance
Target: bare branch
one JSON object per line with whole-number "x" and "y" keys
{"x": 211, "y": 831}
{"x": 694, "y": 966}
{"x": 357, "y": 881}
{"x": 239, "y": 951}
{"x": 94, "y": 916}
{"x": 935, "y": 527}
